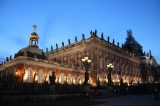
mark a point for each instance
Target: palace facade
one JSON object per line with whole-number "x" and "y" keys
{"x": 33, "y": 65}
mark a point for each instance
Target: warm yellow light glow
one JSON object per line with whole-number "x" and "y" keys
{"x": 110, "y": 65}
{"x": 74, "y": 81}
{"x": 113, "y": 80}
{"x": 86, "y": 58}
{"x": 83, "y": 60}
{"x": 89, "y": 61}
{"x": 16, "y": 73}
{"x": 25, "y": 76}
{"x": 36, "y": 78}
{"x": 118, "y": 80}
{"x": 94, "y": 84}
{"x": 56, "y": 80}
{"x": 60, "y": 79}
{"x": 106, "y": 80}
{"x": 80, "y": 81}
{"x": 47, "y": 78}
{"x": 90, "y": 81}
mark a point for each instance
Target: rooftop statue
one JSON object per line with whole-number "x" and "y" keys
{"x": 56, "y": 46}
{"x": 102, "y": 37}
{"x": 62, "y": 44}
{"x": 83, "y": 36}
{"x": 69, "y": 42}
{"x": 75, "y": 38}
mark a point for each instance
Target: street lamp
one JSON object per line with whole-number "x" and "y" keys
{"x": 86, "y": 63}
{"x": 110, "y": 67}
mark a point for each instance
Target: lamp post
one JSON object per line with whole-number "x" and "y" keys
{"x": 110, "y": 67}
{"x": 86, "y": 63}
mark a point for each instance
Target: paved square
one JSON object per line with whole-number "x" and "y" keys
{"x": 132, "y": 100}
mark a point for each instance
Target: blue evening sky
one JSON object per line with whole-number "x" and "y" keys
{"x": 59, "y": 20}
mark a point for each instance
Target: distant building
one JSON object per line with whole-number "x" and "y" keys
{"x": 33, "y": 65}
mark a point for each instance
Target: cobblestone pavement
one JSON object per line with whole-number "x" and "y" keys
{"x": 132, "y": 100}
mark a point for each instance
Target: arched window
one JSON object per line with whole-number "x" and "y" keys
{"x": 61, "y": 78}
{"x": 75, "y": 79}
{"x": 69, "y": 79}
{"x": 101, "y": 65}
{"x": 40, "y": 76}
{"x": 30, "y": 75}
{"x": 50, "y": 73}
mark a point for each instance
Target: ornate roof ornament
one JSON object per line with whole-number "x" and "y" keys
{"x": 34, "y": 27}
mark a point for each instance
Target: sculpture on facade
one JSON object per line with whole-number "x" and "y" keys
{"x": 83, "y": 36}
{"x": 7, "y": 59}
{"x": 108, "y": 39}
{"x": 51, "y": 48}
{"x": 62, "y": 44}
{"x": 113, "y": 42}
{"x": 91, "y": 33}
{"x": 46, "y": 49}
{"x": 56, "y": 46}
{"x": 69, "y": 42}
{"x": 122, "y": 46}
{"x": 95, "y": 32}
{"x": 75, "y": 38}
{"x": 11, "y": 57}
{"x": 118, "y": 44}
{"x": 102, "y": 37}
{"x": 52, "y": 78}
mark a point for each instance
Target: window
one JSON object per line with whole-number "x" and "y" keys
{"x": 40, "y": 76}
{"x": 30, "y": 75}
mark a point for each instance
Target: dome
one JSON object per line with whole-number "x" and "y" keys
{"x": 34, "y": 33}
{"x": 131, "y": 42}
{"x": 31, "y": 52}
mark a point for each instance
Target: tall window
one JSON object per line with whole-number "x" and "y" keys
{"x": 61, "y": 78}
{"x": 30, "y": 75}
{"x": 69, "y": 79}
{"x": 74, "y": 79}
{"x": 40, "y": 76}
{"x": 101, "y": 65}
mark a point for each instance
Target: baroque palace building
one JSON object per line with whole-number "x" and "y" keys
{"x": 32, "y": 65}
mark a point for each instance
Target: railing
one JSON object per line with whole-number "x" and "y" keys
{"x": 35, "y": 88}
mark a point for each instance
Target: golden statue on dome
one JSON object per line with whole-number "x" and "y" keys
{"x": 34, "y": 27}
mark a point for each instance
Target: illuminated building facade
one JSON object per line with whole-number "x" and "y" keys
{"x": 101, "y": 52}
{"x": 33, "y": 65}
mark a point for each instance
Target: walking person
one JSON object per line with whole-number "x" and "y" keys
{"x": 127, "y": 91}
{"x": 156, "y": 93}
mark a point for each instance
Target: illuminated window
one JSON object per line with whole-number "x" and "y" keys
{"x": 40, "y": 76}
{"x": 61, "y": 78}
{"x": 69, "y": 79}
{"x": 30, "y": 75}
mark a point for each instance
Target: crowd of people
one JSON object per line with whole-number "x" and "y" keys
{"x": 153, "y": 88}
